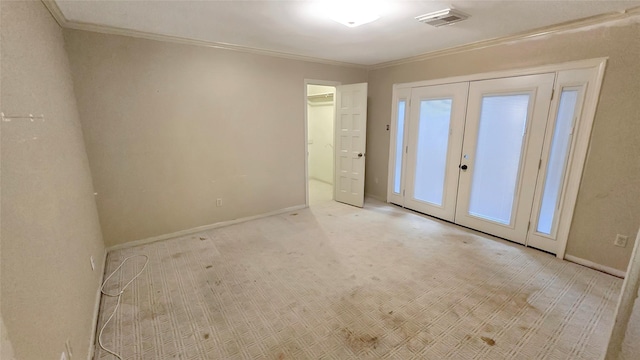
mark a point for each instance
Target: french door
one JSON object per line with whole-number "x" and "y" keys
{"x": 435, "y": 128}
{"x": 479, "y": 153}
{"x": 503, "y": 137}
{"x": 502, "y": 155}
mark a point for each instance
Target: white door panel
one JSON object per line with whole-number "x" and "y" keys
{"x": 435, "y": 133}
{"x": 503, "y": 139}
{"x": 351, "y": 130}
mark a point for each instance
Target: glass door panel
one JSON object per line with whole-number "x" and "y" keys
{"x": 503, "y": 139}
{"x": 433, "y": 139}
{"x": 501, "y": 136}
{"x": 434, "y": 145}
{"x": 558, "y": 159}
{"x": 397, "y": 171}
{"x": 397, "y": 146}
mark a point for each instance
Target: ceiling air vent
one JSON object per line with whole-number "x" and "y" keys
{"x": 442, "y": 17}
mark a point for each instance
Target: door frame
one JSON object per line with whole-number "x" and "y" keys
{"x": 306, "y": 130}
{"x": 582, "y": 141}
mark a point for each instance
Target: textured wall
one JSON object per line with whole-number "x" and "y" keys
{"x": 607, "y": 200}
{"x": 50, "y": 224}
{"x": 170, "y": 128}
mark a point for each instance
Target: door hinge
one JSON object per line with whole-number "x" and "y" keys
{"x": 403, "y": 191}
{"x": 553, "y": 91}
{"x": 539, "y": 164}
{"x": 528, "y": 226}
{"x": 406, "y": 149}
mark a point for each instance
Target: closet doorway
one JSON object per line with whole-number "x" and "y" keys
{"x": 501, "y": 153}
{"x": 320, "y": 142}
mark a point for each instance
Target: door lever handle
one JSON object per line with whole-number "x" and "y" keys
{"x": 360, "y": 155}
{"x": 463, "y": 167}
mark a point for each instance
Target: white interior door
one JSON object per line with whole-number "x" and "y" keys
{"x": 503, "y": 139}
{"x": 351, "y": 130}
{"x": 435, "y": 129}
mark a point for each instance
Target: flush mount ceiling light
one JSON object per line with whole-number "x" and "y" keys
{"x": 352, "y": 13}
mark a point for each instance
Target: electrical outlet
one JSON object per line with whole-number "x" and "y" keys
{"x": 621, "y": 240}
{"x": 93, "y": 263}
{"x": 219, "y": 202}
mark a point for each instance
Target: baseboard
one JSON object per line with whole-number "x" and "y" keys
{"x": 591, "y": 264}
{"x": 96, "y": 310}
{"x": 376, "y": 197}
{"x": 202, "y": 228}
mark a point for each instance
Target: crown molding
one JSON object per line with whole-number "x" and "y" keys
{"x": 85, "y": 26}
{"x": 548, "y": 30}
{"x": 53, "y": 8}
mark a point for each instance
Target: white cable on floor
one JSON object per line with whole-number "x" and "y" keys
{"x": 118, "y": 295}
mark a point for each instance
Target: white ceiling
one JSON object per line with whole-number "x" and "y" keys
{"x": 300, "y": 28}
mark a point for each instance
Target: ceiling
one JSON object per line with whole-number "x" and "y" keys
{"x": 301, "y": 27}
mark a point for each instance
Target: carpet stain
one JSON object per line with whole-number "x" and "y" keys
{"x": 208, "y": 266}
{"x": 359, "y": 342}
{"x": 206, "y": 336}
{"x": 294, "y": 214}
{"x": 203, "y": 238}
{"x": 488, "y": 340}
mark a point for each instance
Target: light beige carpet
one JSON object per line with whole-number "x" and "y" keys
{"x": 338, "y": 282}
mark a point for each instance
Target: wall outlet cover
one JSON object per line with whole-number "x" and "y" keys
{"x": 621, "y": 240}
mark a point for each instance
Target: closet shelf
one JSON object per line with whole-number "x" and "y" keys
{"x": 325, "y": 97}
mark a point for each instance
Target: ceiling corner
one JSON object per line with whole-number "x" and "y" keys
{"x": 55, "y": 12}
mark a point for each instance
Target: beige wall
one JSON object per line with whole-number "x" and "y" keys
{"x": 50, "y": 225}
{"x": 170, "y": 128}
{"x": 608, "y": 197}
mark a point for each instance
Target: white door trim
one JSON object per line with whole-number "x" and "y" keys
{"x": 571, "y": 65}
{"x": 306, "y": 130}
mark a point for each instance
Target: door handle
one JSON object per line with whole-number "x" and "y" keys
{"x": 463, "y": 167}
{"x": 360, "y": 155}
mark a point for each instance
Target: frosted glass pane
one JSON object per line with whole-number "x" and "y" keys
{"x": 557, "y": 163}
{"x": 397, "y": 176}
{"x": 503, "y": 121}
{"x": 433, "y": 140}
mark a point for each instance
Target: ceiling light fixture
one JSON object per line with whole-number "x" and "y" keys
{"x": 352, "y": 13}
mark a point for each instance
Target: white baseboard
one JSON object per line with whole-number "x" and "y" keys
{"x": 376, "y": 197}
{"x": 96, "y": 310}
{"x": 591, "y": 264}
{"x": 202, "y": 228}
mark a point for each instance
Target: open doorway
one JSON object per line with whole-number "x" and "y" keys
{"x": 320, "y": 142}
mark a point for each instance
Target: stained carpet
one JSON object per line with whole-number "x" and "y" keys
{"x": 338, "y": 282}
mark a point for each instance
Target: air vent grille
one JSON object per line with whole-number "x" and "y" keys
{"x": 442, "y": 17}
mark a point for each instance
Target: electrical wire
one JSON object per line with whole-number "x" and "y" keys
{"x": 119, "y": 296}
